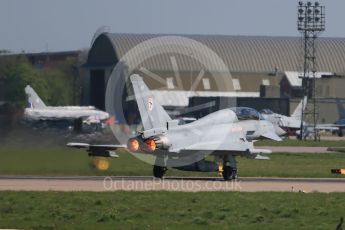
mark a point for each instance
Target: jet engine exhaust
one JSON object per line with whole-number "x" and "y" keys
{"x": 133, "y": 145}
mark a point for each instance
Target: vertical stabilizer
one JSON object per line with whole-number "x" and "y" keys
{"x": 34, "y": 101}
{"x": 298, "y": 111}
{"x": 152, "y": 114}
{"x": 341, "y": 110}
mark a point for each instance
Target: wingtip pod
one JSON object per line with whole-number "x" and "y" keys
{"x": 77, "y": 145}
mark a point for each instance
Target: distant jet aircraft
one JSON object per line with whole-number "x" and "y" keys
{"x": 76, "y": 115}
{"x": 341, "y": 110}
{"x": 289, "y": 123}
{"x": 292, "y": 124}
{"x": 341, "y": 122}
{"x": 224, "y": 134}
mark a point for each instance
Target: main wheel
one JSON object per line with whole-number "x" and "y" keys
{"x": 159, "y": 171}
{"x": 229, "y": 173}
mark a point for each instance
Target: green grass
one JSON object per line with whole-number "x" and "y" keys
{"x": 59, "y": 160}
{"x": 294, "y": 165}
{"x": 170, "y": 210}
{"x": 290, "y": 142}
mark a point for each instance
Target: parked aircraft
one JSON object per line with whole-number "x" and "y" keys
{"x": 224, "y": 134}
{"x": 72, "y": 115}
{"x": 292, "y": 124}
{"x": 289, "y": 123}
{"x": 341, "y": 122}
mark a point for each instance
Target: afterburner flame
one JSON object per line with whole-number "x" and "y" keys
{"x": 133, "y": 145}
{"x": 150, "y": 145}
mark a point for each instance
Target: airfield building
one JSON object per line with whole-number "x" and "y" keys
{"x": 260, "y": 67}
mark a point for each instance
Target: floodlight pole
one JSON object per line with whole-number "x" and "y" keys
{"x": 310, "y": 22}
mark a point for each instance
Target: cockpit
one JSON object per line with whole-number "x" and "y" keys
{"x": 266, "y": 111}
{"x": 245, "y": 113}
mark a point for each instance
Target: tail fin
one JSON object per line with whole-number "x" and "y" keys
{"x": 152, "y": 114}
{"x": 340, "y": 107}
{"x": 34, "y": 101}
{"x": 298, "y": 111}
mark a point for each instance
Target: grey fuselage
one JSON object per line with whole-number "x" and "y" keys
{"x": 219, "y": 131}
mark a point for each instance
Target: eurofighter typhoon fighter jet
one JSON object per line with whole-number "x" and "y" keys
{"x": 224, "y": 134}
{"x": 292, "y": 124}
{"x": 289, "y": 123}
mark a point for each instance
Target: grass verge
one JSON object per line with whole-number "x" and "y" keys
{"x": 169, "y": 210}
{"x": 32, "y": 160}
{"x": 298, "y": 143}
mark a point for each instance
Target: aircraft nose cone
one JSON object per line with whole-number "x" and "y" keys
{"x": 279, "y": 131}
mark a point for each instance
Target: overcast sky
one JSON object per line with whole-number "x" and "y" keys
{"x": 58, "y": 25}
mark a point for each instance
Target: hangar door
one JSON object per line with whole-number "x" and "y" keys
{"x": 97, "y": 88}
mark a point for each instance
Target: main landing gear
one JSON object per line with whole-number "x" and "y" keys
{"x": 159, "y": 171}
{"x": 229, "y": 167}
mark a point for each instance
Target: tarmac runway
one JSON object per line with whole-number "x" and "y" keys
{"x": 186, "y": 184}
{"x": 296, "y": 149}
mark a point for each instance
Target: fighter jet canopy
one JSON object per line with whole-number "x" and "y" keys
{"x": 245, "y": 113}
{"x": 266, "y": 111}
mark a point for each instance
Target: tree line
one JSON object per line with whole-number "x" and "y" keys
{"x": 58, "y": 85}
